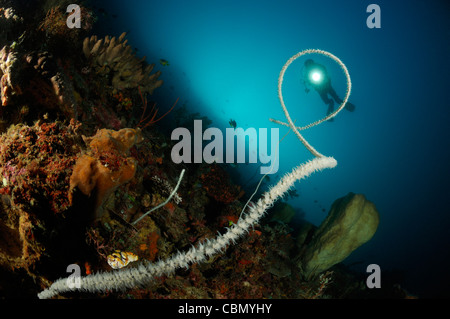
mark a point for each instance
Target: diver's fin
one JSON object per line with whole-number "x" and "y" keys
{"x": 349, "y": 107}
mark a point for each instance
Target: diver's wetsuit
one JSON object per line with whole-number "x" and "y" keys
{"x": 323, "y": 87}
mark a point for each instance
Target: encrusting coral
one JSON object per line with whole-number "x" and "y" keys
{"x": 112, "y": 57}
{"x": 216, "y": 184}
{"x": 35, "y": 167}
{"x": 9, "y": 24}
{"x": 55, "y": 27}
{"x": 31, "y": 58}
{"x": 41, "y": 166}
{"x": 8, "y": 82}
{"x": 35, "y": 76}
{"x": 47, "y": 68}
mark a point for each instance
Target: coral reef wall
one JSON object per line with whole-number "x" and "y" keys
{"x": 64, "y": 146}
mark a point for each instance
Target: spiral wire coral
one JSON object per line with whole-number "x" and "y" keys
{"x": 144, "y": 273}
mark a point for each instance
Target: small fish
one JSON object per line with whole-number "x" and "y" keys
{"x": 232, "y": 123}
{"x": 88, "y": 268}
{"x": 119, "y": 259}
{"x": 164, "y": 62}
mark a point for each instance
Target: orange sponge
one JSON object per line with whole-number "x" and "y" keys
{"x": 105, "y": 166}
{"x": 121, "y": 140}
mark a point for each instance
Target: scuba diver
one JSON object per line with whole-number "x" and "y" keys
{"x": 315, "y": 75}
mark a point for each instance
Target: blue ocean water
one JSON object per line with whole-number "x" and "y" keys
{"x": 224, "y": 61}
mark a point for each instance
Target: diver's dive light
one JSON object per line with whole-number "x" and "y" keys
{"x": 315, "y": 76}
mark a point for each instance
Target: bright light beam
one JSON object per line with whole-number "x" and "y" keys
{"x": 316, "y": 76}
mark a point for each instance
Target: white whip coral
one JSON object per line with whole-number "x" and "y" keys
{"x": 144, "y": 273}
